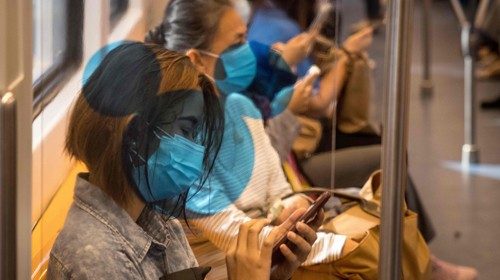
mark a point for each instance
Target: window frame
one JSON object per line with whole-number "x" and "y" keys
{"x": 51, "y": 81}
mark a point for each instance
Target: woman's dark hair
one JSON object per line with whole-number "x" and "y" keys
{"x": 119, "y": 108}
{"x": 189, "y": 24}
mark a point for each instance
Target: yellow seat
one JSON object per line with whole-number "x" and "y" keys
{"x": 50, "y": 223}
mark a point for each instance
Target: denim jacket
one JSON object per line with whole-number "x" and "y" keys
{"x": 101, "y": 241}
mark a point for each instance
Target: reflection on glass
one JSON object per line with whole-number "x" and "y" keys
{"x": 49, "y": 40}
{"x": 117, "y": 9}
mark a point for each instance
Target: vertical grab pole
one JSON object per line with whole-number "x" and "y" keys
{"x": 8, "y": 186}
{"x": 470, "y": 151}
{"x": 426, "y": 85}
{"x": 396, "y": 101}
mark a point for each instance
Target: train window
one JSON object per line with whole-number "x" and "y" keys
{"x": 117, "y": 9}
{"x": 57, "y": 46}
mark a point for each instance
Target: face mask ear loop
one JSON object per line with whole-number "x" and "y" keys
{"x": 209, "y": 53}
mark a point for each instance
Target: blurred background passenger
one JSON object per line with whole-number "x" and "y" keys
{"x": 488, "y": 66}
{"x": 277, "y": 20}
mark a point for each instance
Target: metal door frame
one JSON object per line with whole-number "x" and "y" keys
{"x": 16, "y": 104}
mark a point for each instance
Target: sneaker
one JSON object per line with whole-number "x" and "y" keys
{"x": 442, "y": 270}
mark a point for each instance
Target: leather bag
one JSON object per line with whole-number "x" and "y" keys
{"x": 361, "y": 223}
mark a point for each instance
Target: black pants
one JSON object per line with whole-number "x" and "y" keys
{"x": 344, "y": 140}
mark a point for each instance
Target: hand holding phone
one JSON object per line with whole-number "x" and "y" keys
{"x": 307, "y": 218}
{"x": 313, "y": 72}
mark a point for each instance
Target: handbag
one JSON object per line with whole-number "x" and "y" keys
{"x": 361, "y": 223}
{"x": 353, "y": 108}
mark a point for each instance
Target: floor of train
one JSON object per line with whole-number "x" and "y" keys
{"x": 465, "y": 207}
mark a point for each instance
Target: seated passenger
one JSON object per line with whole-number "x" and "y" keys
{"x": 247, "y": 176}
{"x": 144, "y": 149}
{"x": 275, "y": 21}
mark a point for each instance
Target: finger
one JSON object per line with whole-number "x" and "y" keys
{"x": 306, "y": 232}
{"x": 231, "y": 253}
{"x": 310, "y": 37}
{"x": 367, "y": 31}
{"x": 309, "y": 79}
{"x": 242, "y": 235}
{"x": 279, "y": 46}
{"x": 289, "y": 255}
{"x": 302, "y": 247}
{"x": 308, "y": 91}
{"x": 253, "y": 233}
{"x": 315, "y": 32}
{"x": 291, "y": 221}
{"x": 299, "y": 85}
{"x": 267, "y": 246}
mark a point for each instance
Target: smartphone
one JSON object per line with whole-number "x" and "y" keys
{"x": 321, "y": 17}
{"x": 313, "y": 71}
{"x": 307, "y": 218}
{"x": 311, "y": 77}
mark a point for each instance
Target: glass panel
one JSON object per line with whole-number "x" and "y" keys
{"x": 49, "y": 34}
{"x": 117, "y": 9}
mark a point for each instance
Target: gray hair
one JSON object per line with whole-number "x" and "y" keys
{"x": 189, "y": 24}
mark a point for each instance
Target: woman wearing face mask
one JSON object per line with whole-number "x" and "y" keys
{"x": 247, "y": 176}
{"x": 145, "y": 149}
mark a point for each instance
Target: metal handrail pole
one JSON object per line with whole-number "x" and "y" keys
{"x": 470, "y": 150}
{"x": 8, "y": 175}
{"x": 395, "y": 136}
{"x": 459, "y": 12}
{"x": 426, "y": 84}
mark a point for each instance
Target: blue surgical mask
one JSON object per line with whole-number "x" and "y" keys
{"x": 235, "y": 69}
{"x": 172, "y": 169}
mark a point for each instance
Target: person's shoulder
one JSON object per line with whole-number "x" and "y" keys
{"x": 87, "y": 248}
{"x": 237, "y": 103}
